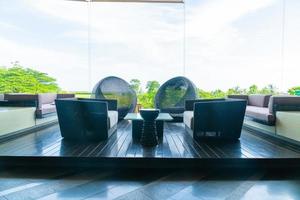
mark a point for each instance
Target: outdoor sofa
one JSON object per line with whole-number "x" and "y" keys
{"x": 87, "y": 119}
{"x": 263, "y": 108}
{"x": 217, "y": 118}
{"x": 43, "y": 102}
{"x": 277, "y": 115}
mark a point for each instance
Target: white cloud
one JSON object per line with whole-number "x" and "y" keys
{"x": 68, "y": 69}
{"x": 5, "y": 25}
{"x": 145, "y": 41}
{"x": 142, "y": 37}
{"x": 224, "y": 52}
{"x": 213, "y": 16}
{"x": 73, "y": 11}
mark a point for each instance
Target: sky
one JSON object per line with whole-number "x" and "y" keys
{"x": 215, "y": 43}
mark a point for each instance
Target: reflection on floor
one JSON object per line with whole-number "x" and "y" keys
{"x": 176, "y": 144}
{"x": 150, "y": 185}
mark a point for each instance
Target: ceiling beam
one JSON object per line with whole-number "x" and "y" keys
{"x": 134, "y": 1}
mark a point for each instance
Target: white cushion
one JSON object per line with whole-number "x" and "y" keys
{"x": 260, "y": 113}
{"x": 48, "y": 108}
{"x": 1, "y": 97}
{"x": 188, "y": 117}
{"x": 113, "y": 117}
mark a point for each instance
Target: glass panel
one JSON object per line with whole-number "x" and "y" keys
{"x": 137, "y": 41}
{"x": 234, "y": 45}
{"x": 55, "y": 49}
{"x": 292, "y": 47}
{"x": 43, "y": 50}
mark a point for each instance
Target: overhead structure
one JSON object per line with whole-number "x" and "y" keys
{"x": 113, "y": 87}
{"x": 134, "y": 1}
{"x": 171, "y": 96}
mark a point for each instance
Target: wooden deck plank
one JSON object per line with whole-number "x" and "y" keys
{"x": 123, "y": 148}
{"x": 166, "y": 148}
{"x": 173, "y": 148}
{"x": 176, "y": 143}
{"x": 181, "y": 148}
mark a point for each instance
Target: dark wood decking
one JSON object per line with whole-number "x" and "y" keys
{"x": 176, "y": 144}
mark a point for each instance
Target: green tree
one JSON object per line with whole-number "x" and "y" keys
{"x": 204, "y": 94}
{"x": 253, "y": 89}
{"x": 218, "y": 94}
{"x": 147, "y": 98}
{"x": 269, "y": 89}
{"x": 294, "y": 90}
{"x": 235, "y": 90}
{"x": 18, "y": 79}
{"x": 152, "y": 86}
{"x": 135, "y": 84}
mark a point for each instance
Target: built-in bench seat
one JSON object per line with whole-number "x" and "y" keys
{"x": 261, "y": 114}
{"x": 44, "y": 103}
{"x": 279, "y": 111}
{"x": 14, "y": 119}
{"x": 263, "y": 108}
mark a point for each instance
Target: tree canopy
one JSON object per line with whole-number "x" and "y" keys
{"x": 135, "y": 84}
{"x": 294, "y": 91}
{"x": 18, "y": 79}
{"x": 152, "y": 86}
{"x": 146, "y": 98}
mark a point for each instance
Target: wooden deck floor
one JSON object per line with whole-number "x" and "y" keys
{"x": 176, "y": 144}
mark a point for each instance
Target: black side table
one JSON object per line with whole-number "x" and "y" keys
{"x": 149, "y": 132}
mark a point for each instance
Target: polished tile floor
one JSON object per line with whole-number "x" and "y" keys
{"x": 149, "y": 184}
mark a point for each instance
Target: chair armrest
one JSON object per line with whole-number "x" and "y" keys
{"x": 189, "y": 104}
{"x": 177, "y": 110}
{"x": 238, "y": 96}
{"x": 61, "y": 96}
{"x": 111, "y": 103}
{"x": 284, "y": 103}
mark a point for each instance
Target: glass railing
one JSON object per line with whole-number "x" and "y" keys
{"x": 223, "y": 47}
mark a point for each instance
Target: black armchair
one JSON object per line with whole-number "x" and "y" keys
{"x": 222, "y": 118}
{"x": 112, "y": 104}
{"x": 85, "y": 119}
